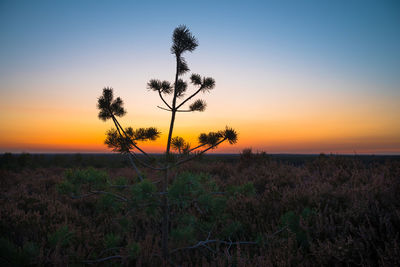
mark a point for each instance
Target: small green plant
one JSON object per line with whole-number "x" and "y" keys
{"x": 247, "y": 189}
{"x": 61, "y": 237}
{"x": 291, "y": 220}
{"x": 79, "y": 180}
{"x": 12, "y": 255}
{"x": 133, "y": 250}
{"x": 112, "y": 240}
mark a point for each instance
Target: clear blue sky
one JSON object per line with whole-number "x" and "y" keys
{"x": 51, "y": 50}
{"x": 364, "y": 34}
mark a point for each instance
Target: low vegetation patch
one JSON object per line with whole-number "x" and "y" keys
{"x": 329, "y": 211}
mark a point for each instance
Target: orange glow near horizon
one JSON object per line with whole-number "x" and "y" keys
{"x": 355, "y": 127}
{"x": 69, "y": 132}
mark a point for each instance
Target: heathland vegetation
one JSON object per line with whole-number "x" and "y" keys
{"x": 327, "y": 210}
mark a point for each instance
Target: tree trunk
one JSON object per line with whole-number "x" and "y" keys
{"x": 165, "y": 220}
{"x": 165, "y": 211}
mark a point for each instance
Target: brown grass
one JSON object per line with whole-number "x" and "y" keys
{"x": 355, "y": 218}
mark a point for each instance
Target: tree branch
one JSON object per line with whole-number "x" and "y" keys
{"x": 190, "y": 97}
{"x": 164, "y": 108}
{"x": 190, "y": 150}
{"x": 162, "y": 98}
{"x": 122, "y": 198}
{"x": 91, "y": 193}
{"x": 109, "y": 249}
{"x": 198, "y": 154}
{"x": 205, "y": 242}
{"x": 176, "y": 110}
{"x": 118, "y": 186}
{"x": 103, "y": 259}
{"x": 81, "y": 196}
{"x": 196, "y": 147}
{"x": 229, "y": 243}
{"x": 133, "y": 143}
{"x": 145, "y": 164}
{"x": 117, "y": 125}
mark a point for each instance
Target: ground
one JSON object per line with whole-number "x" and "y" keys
{"x": 319, "y": 210}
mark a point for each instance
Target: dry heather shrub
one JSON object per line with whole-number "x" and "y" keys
{"x": 338, "y": 211}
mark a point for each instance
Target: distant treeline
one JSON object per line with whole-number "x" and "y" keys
{"x": 25, "y": 160}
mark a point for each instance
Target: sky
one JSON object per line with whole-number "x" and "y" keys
{"x": 291, "y": 76}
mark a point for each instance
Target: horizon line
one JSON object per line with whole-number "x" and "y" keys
{"x": 211, "y": 154}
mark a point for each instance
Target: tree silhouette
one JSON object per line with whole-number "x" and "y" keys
{"x": 126, "y": 140}
{"x": 122, "y": 140}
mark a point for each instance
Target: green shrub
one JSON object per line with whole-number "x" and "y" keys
{"x": 12, "y": 255}
{"x": 292, "y": 221}
{"x": 246, "y": 189}
{"x": 133, "y": 250}
{"x": 112, "y": 240}
{"x": 62, "y": 237}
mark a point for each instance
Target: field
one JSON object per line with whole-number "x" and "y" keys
{"x": 278, "y": 210}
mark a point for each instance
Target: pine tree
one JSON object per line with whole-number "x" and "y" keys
{"x": 126, "y": 140}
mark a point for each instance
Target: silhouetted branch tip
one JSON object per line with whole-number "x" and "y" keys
{"x": 116, "y": 142}
{"x": 166, "y": 87}
{"x": 117, "y": 107}
{"x": 198, "y": 105}
{"x": 108, "y": 106}
{"x": 124, "y": 144}
{"x": 182, "y": 66}
{"x": 203, "y": 138}
{"x": 208, "y": 84}
{"x": 154, "y": 85}
{"x": 143, "y": 134}
{"x": 181, "y": 87}
{"x": 195, "y": 79}
{"x": 230, "y": 134}
{"x": 178, "y": 143}
{"x": 212, "y": 138}
{"x": 183, "y": 40}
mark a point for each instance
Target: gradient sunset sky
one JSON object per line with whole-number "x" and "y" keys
{"x": 291, "y": 76}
